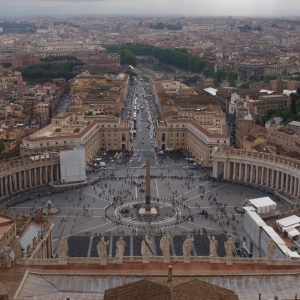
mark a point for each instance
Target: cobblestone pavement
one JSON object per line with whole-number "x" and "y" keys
{"x": 83, "y": 209}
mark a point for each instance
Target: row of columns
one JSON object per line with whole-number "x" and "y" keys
{"x": 24, "y": 179}
{"x": 260, "y": 175}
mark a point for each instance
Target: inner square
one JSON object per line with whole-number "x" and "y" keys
{"x": 187, "y": 201}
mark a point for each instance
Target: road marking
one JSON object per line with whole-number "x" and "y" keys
{"x": 156, "y": 189}
{"x": 189, "y": 191}
{"x": 85, "y": 230}
{"x": 95, "y": 196}
{"x": 206, "y": 192}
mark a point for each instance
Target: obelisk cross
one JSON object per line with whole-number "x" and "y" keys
{"x": 148, "y": 205}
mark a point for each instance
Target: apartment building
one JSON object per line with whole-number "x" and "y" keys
{"x": 270, "y": 102}
{"x": 93, "y": 132}
{"x": 285, "y": 138}
{"x": 44, "y": 49}
{"x": 104, "y": 93}
{"x": 199, "y": 132}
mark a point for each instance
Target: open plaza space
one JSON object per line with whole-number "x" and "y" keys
{"x": 187, "y": 202}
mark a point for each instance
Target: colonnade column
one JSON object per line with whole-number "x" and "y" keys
{"x": 246, "y": 172}
{"x": 234, "y": 171}
{"x": 256, "y": 177}
{"x": 30, "y": 179}
{"x": 268, "y": 173}
{"x": 10, "y": 183}
{"x": 41, "y": 178}
{"x": 20, "y": 181}
{"x": 51, "y": 172}
{"x": 296, "y": 182}
{"x": 251, "y": 174}
{"x": 1, "y": 187}
{"x": 277, "y": 179}
{"x": 25, "y": 179}
{"x": 282, "y": 180}
{"x": 34, "y": 176}
{"x": 46, "y": 174}
{"x": 57, "y": 172}
{"x": 272, "y": 178}
{"x": 240, "y": 171}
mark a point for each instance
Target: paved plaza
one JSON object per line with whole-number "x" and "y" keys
{"x": 186, "y": 201}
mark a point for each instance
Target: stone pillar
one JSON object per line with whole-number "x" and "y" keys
{"x": 10, "y": 183}
{"x": 256, "y": 169}
{"x": 35, "y": 177}
{"x": 287, "y": 183}
{"x": 51, "y": 173}
{"x": 30, "y": 179}
{"x": 234, "y": 171}
{"x": 291, "y": 185}
{"x": 298, "y": 190}
{"x": 240, "y": 171}
{"x": 282, "y": 180}
{"x": 246, "y": 172}
{"x": 5, "y": 186}
{"x": 251, "y": 174}
{"x": 295, "y": 186}
{"x": 272, "y": 178}
{"x": 262, "y": 180}
{"x": 57, "y": 172}
{"x": 268, "y": 173}
{"x": 1, "y": 187}
{"x": 277, "y": 179}
{"x": 41, "y": 175}
{"x": 46, "y": 174}
{"x": 20, "y": 181}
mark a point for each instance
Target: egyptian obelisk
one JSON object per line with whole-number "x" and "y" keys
{"x": 148, "y": 195}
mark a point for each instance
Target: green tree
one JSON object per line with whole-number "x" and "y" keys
{"x": 245, "y": 85}
{"x": 254, "y": 78}
{"x": 293, "y": 103}
{"x": 232, "y": 83}
{"x": 128, "y": 58}
{"x": 220, "y": 75}
{"x": 208, "y": 72}
{"x": 233, "y": 76}
{"x": 298, "y": 78}
{"x": 269, "y": 77}
{"x": 1, "y": 146}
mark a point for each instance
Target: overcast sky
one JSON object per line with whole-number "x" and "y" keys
{"x": 162, "y": 7}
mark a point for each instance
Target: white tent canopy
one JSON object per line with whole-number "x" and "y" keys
{"x": 263, "y": 205}
{"x": 289, "y": 221}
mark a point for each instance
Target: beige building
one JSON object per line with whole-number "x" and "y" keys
{"x": 64, "y": 48}
{"x": 103, "y": 93}
{"x": 199, "y": 132}
{"x": 94, "y": 132}
{"x": 270, "y": 102}
{"x": 247, "y": 141}
{"x": 285, "y": 138}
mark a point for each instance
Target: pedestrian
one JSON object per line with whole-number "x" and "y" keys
{"x": 259, "y": 296}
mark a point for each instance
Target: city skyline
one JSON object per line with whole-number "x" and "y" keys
{"x": 257, "y": 8}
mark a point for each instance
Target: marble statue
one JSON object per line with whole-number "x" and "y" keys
{"x": 102, "y": 252}
{"x": 17, "y": 248}
{"x": 213, "y": 248}
{"x": 64, "y": 248}
{"x": 120, "y": 250}
{"x": 145, "y": 250}
{"x": 229, "y": 248}
{"x": 165, "y": 247}
{"x": 187, "y": 248}
{"x": 4, "y": 259}
{"x": 271, "y": 247}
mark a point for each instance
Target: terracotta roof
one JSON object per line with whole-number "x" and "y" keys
{"x": 161, "y": 289}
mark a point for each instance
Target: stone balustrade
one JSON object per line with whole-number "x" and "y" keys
{"x": 255, "y": 168}
{"x": 153, "y": 259}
